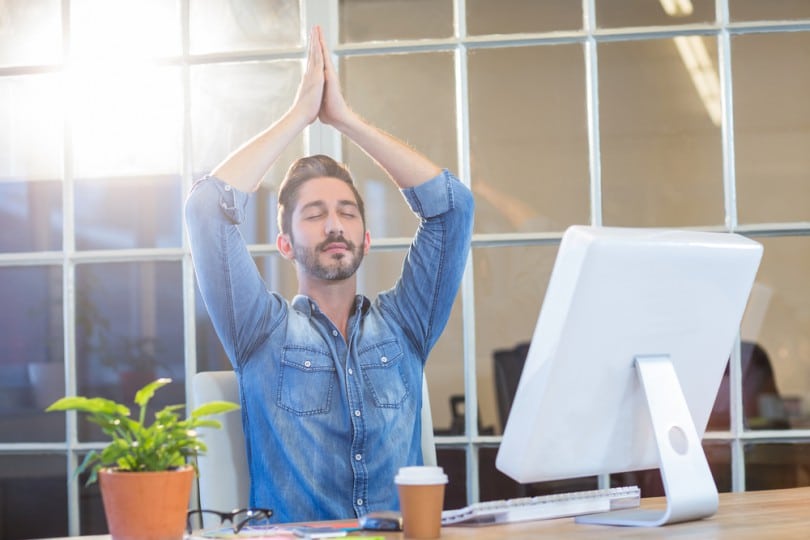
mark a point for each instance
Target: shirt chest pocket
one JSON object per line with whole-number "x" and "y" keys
{"x": 381, "y": 366}
{"x": 307, "y": 382}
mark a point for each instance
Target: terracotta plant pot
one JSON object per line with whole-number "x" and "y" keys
{"x": 146, "y": 505}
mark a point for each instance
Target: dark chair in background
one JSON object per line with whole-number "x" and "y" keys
{"x": 508, "y": 366}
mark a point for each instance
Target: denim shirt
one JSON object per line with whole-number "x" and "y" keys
{"x": 328, "y": 421}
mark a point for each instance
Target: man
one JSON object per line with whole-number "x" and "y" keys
{"x": 330, "y": 382}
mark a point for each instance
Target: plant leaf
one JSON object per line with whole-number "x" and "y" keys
{"x": 143, "y": 395}
{"x": 88, "y": 405}
{"x": 213, "y": 407}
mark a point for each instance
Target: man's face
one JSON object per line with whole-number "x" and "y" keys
{"x": 328, "y": 239}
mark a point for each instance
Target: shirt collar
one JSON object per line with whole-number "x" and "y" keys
{"x": 307, "y": 306}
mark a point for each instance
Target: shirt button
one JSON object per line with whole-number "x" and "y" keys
{"x": 351, "y": 371}
{"x": 357, "y": 413}
{"x": 359, "y": 502}
{"x": 384, "y": 359}
{"x": 358, "y": 457}
{"x": 334, "y": 333}
{"x": 227, "y": 187}
{"x": 307, "y": 364}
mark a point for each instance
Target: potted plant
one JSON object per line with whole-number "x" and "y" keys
{"x": 144, "y": 472}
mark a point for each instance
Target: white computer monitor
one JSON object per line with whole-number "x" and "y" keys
{"x": 626, "y": 359}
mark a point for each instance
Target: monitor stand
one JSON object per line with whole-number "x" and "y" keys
{"x": 688, "y": 484}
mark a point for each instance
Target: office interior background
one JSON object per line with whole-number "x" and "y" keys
{"x": 641, "y": 113}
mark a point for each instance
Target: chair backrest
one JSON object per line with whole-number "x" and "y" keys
{"x": 224, "y": 481}
{"x": 508, "y": 364}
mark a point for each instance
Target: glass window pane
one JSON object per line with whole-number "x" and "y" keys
{"x": 752, "y": 10}
{"x": 91, "y": 508}
{"x": 771, "y": 127}
{"x": 454, "y": 463}
{"x": 528, "y": 138}
{"x": 661, "y": 150}
{"x": 230, "y": 103}
{"x": 718, "y": 454}
{"x": 126, "y": 120}
{"x": 128, "y": 213}
{"x": 31, "y": 127}
{"x": 510, "y": 284}
{"x": 124, "y": 29}
{"x": 243, "y": 25}
{"x": 412, "y": 97}
{"x": 34, "y": 489}
{"x": 32, "y": 372}
{"x": 30, "y": 216}
{"x": 129, "y": 331}
{"x": 279, "y": 275}
{"x": 30, "y": 32}
{"x": 444, "y": 372}
{"x": 776, "y": 465}
{"x": 615, "y": 13}
{"x": 518, "y": 16}
{"x": 776, "y": 393}
{"x": 380, "y": 20}
{"x": 495, "y": 485}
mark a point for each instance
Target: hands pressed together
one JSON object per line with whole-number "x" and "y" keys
{"x": 318, "y": 94}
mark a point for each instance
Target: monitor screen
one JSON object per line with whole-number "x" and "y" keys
{"x": 620, "y": 299}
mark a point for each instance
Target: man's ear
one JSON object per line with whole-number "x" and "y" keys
{"x": 366, "y": 243}
{"x": 284, "y": 246}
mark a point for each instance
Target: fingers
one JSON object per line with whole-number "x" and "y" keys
{"x": 327, "y": 58}
{"x": 310, "y": 89}
{"x": 315, "y": 53}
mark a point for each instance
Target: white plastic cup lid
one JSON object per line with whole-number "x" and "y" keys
{"x": 420, "y": 475}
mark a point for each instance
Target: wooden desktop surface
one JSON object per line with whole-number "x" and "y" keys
{"x": 776, "y": 514}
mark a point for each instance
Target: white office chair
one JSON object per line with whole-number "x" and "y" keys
{"x": 224, "y": 481}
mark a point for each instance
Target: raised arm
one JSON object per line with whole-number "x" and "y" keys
{"x": 246, "y": 166}
{"x": 405, "y": 166}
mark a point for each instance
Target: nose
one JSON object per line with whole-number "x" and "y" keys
{"x": 334, "y": 226}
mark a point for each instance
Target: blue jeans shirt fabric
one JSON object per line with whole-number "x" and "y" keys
{"x": 329, "y": 421}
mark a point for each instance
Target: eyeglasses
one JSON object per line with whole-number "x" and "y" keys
{"x": 237, "y": 518}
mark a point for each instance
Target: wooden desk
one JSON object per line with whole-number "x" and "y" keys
{"x": 777, "y": 514}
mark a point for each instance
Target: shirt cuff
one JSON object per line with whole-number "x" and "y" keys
{"x": 231, "y": 201}
{"x": 432, "y": 198}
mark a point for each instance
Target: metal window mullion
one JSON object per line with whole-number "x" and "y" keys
{"x": 727, "y": 110}
{"x": 186, "y": 180}
{"x": 320, "y": 138}
{"x": 69, "y": 286}
{"x": 731, "y": 221}
{"x": 467, "y": 281}
{"x": 592, "y": 112}
{"x": 592, "y": 119}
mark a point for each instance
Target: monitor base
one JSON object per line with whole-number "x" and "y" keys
{"x": 688, "y": 483}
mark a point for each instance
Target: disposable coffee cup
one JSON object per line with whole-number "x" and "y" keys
{"x": 421, "y": 498}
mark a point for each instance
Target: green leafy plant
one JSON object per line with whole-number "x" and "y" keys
{"x": 165, "y": 444}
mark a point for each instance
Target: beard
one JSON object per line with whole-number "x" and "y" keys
{"x": 340, "y": 266}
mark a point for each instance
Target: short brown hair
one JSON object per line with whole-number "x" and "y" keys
{"x": 302, "y": 170}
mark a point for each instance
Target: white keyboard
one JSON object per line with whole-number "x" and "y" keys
{"x": 544, "y": 506}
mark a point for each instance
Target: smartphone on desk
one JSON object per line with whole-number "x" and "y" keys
{"x": 385, "y": 520}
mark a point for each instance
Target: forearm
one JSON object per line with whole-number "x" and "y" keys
{"x": 406, "y": 166}
{"x": 246, "y": 166}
